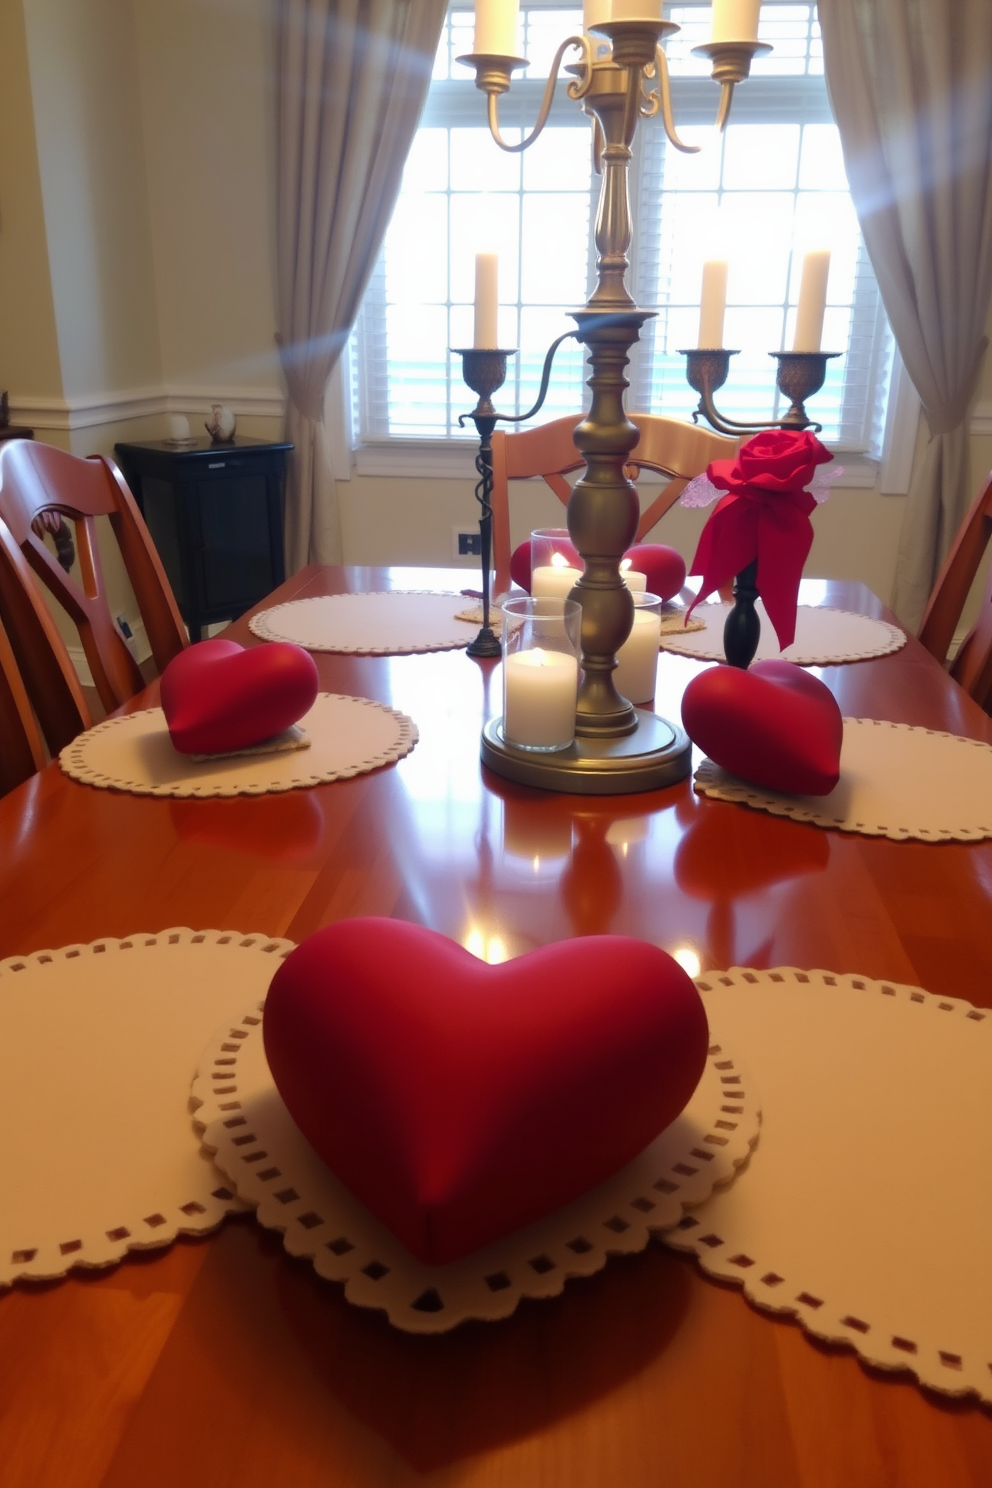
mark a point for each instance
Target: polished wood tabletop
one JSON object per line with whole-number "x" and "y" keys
{"x": 222, "y": 1362}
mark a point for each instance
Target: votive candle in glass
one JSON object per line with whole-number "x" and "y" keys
{"x": 636, "y": 582}
{"x": 541, "y": 638}
{"x": 554, "y": 563}
{"x": 637, "y": 659}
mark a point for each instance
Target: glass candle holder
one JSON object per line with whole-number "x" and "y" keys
{"x": 636, "y": 582}
{"x": 637, "y": 659}
{"x": 541, "y": 649}
{"x": 555, "y": 566}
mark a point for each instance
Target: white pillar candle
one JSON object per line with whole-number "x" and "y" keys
{"x": 636, "y": 10}
{"x": 486, "y": 300}
{"x": 594, "y": 12}
{"x": 812, "y": 300}
{"x": 735, "y": 20}
{"x": 539, "y": 693}
{"x": 495, "y": 29}
{"x": 178, "y": 427}
{"x": 712, "y": 304}
{"x": 554, "y": 581}
{"x": 637, "y": 659}
{"x": 636, "y": 582}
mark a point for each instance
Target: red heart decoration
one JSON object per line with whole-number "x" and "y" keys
{"x": 663, "y": 567}
{"x": 460, "y": 1101}
{"x": 216, "y": 696}
{"x": 773, "y": 725}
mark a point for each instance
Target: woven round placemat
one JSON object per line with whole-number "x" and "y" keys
{"x": 348, "y": 736}
{"x": 387, "y": 623}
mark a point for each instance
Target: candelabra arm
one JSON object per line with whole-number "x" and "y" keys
{"x": 519, "y": 418}
{"x": 576, "y": 89}
{"x": 800, "y": 375}
{"x": 733, "y": 427}
{"x": 660, "y": 99}
{"x": 723, "y": 112}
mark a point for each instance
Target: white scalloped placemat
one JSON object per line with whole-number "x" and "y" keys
{"x": 97, "y": 1043}
{"x": 257, "y": 1143}
{"x": 348, "y": 736}
{"x": 387, "y": 623}
{"x": 823, "y": 636}
{"x": 866, "y": 1212}
{"x": 896, "y": 780}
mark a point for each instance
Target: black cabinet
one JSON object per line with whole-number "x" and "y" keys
{"x": 215, "y": 516}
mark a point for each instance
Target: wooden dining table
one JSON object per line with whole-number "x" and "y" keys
{"x": 223, "y": 1362}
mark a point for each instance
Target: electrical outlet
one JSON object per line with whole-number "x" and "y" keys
{"x": 467, "y": 542}
{"x": 127, "y": 634}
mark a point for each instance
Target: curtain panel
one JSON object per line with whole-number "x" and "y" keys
{"x": 911, "y": 86}
{"x": 351, "y": 80}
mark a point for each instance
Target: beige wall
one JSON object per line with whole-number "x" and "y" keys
{"x": 83, "y": 70}
{"x": 29, "y": 358}
{"x": 208, "y": 131}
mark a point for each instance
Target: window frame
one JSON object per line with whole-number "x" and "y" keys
{"x": 886, "y": 462}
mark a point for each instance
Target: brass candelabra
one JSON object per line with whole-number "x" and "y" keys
{"x": 617, "y": 748}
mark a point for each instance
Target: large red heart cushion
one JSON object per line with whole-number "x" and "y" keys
{"x": 773, "y": 725}
{"x": 663, "y": 567}
{"x": 216, "y": 696}
{"x": 459, "y": 1100}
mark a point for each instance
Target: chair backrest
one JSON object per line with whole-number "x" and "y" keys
{"x": 667, "y": 445}
{"x": 21, "y": 749}
{"x": 38, "y": 478}
{"x": 972, "y": 666}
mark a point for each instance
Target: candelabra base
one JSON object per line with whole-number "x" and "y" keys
{"x": 656, "y": 755}
{"x": 486, "y": 644}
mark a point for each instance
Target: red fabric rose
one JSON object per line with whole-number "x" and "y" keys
{"x": 777, "y": 460}
{"x": 765, "y": 515}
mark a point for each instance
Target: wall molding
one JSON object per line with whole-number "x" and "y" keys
{"x": 981, "y": 419}
{"x": 87, "y": 411}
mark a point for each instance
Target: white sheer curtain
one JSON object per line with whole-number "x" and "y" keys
{"x": 351, "y": 80}
{"x": 911, "y": 85}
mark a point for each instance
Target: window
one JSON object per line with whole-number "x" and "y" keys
{"x": 771, "y": 186}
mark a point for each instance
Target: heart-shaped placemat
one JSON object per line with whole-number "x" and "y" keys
{"x": 97, "y": 1043}
{"x": 387, "y": 623}
{"x": 823, "y": 636}
{"x": 256, "y": 1142}
{"x": 866, "y": 1209}
{"x": 896, "y": 781}
{"x": 348, "y": 736}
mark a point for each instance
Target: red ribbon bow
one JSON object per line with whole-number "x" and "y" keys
{"x": 765, "y": 515}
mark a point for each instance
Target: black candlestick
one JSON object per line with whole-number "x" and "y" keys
{"x": 742, "y": 629}
{"x": 485, "y": 372}
{"x": 800, "y": 375}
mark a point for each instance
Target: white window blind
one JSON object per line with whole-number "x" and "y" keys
{"x": 770, "y": 187}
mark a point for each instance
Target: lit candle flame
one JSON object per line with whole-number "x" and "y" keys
{"x": 558, "y": 560}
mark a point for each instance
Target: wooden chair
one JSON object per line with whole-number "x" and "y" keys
{"x": 673, "y": 448}
{"x": 38, "y": 478}
{"x": 972, "y": 666}
{"x": 21, "y": 749}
